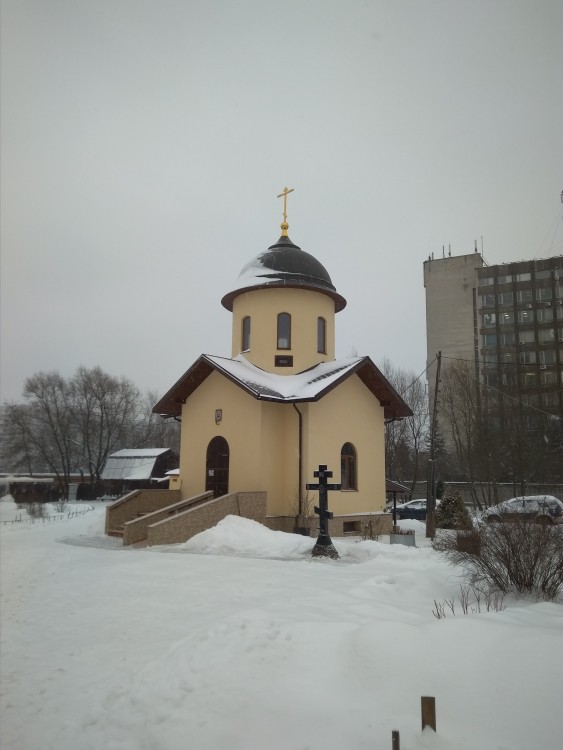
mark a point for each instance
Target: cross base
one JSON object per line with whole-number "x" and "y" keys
{"x": 324, "y": 548}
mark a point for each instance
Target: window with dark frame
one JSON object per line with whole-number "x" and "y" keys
{"x": 246, "y": 334}
{"x": 284, "y": 331}
{"x": 348, "y": 467}
{"x": 321, "y": 335}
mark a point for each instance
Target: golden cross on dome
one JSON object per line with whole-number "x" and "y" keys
{"x": 285, "y": 225}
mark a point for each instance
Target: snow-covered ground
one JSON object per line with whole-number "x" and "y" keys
{"x": 239, "y": 640}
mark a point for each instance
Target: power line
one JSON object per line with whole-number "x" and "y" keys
{"x": 418, "y": 377}
{"x": 541, "y": 365}
{"x": 503, "y": 393}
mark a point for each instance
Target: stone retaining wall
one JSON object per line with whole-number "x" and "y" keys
{"x": 139, "y": 501}
{"x": 280, "y": 523}
{"x": 381, "y": 524}
{"x": 136, "y": 530}
{"x": 183, "y": 526}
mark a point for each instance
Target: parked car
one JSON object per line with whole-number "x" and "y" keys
{"x": 535, "y": 508}
{"x": 415, "y": 509}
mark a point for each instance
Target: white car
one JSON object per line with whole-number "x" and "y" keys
{"x": 536, "y": 508}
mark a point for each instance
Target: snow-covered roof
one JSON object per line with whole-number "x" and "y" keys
{"x": 392, "y": 486}
{"x": 138, "y": 452}
{"x": 303, "y": 386}
{"x": 310, "y": 385}
{"x": 132, "y": 464}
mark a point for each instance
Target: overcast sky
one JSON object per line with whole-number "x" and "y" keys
{"x": 144, "y": 143}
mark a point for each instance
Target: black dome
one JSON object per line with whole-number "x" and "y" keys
{"x": 284, "y": 265}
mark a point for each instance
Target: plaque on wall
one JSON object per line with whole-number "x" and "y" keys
{"x": 283, "y": 360}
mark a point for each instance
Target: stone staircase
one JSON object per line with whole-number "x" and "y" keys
{"x": 154, "y": 517}
{"x": 119, "y": 530}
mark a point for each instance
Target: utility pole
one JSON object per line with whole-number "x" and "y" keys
{"x": 431, "y": 476}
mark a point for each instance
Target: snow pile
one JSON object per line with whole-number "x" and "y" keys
{"x": 124, "y": 648}
{"x": 242, "y": 537}
{"x": 9, "y": 510}
{"x": 246, "y": 538}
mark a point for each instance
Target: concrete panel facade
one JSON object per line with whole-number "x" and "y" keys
{"x": 450, "y": 285}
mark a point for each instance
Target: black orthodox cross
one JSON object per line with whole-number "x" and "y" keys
{"x": 324, "y": 544}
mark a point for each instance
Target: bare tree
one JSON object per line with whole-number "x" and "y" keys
{"x": 152, "y": 430}
{"x": 464, "y": 408}
{"x": 17, "y": 446}
{"x": 74, "y": 424}
{"x": 405, "y": 439}
{"x": 66, "y": 425}
{"x": 49, "y": 424}
{"x": 105, "y": 411}
{"x": 496, "y": 435}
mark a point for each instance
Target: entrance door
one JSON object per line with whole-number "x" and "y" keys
{"x": 217, "y": 467}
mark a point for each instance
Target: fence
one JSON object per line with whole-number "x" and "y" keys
{"x": 48, "y": 519}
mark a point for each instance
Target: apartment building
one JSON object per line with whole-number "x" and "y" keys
{"x": 506, "y": 319}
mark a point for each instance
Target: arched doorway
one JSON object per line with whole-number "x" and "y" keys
{"x": 217, "y": 467}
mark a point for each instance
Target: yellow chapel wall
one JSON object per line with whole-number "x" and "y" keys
{"x": 280, "y": 458}
{"x": 304, "y": 306}
{"x": 262, "y": 439}
{"x": 348, "y": 414}
{"x": 240, "y": 426}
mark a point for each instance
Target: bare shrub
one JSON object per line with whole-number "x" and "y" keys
{"x": 304, "y": 510}
{"x": 439, "y": 610}
{"x": 470, "y": 599}
{"x": 36, "y": 510}
{"x": 512, "y": 556}
{"x": 373, "y": 529}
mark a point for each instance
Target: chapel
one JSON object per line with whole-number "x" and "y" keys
{"x": 266, "y": 417}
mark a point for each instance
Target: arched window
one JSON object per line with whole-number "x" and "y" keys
{"x": 246, "y": 334}
{"x": 348, "y": 467}
{"x": 321, "y": 335}
{"x": 284, "y": 331}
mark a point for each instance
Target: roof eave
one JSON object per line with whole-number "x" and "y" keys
{"x": 170, "y": 405}
{"x": 339, "y": 301}
{"x": 394, "y": 407}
